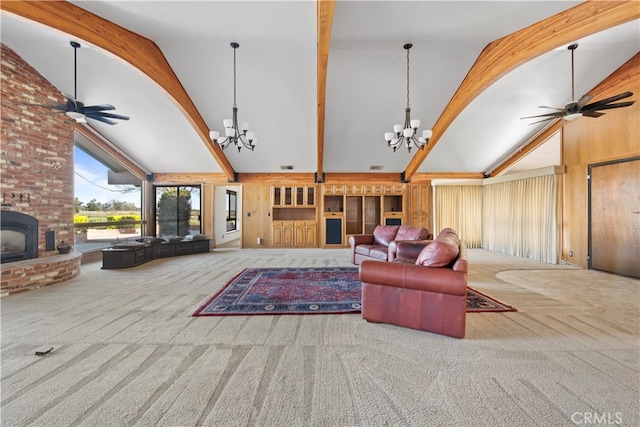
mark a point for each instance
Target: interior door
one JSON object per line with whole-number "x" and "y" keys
{"x": 614, "y": 217}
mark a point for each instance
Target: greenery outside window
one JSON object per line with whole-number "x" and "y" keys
{"x": 177, "y": 210}
{"x": 232, "y": 205}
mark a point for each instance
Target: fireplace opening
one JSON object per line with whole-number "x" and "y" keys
{"x": 18, "y": 237}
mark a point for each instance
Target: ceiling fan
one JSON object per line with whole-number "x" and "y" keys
{"x": 76, "y": 109}
{"x": 576, "y": 109}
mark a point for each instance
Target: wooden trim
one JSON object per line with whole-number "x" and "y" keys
{"x": 529, "y": 146}
{"x": 362, "y": 178}
{"x": 325, "y": 20}
{"x": 138, "y": 51}
{"x": 277, "y": 178}
{"x": 426, "y": 177}
{"x": 505, "y": 54}
{"x": 178, "y": 178}
{"x": 103, "y": 143}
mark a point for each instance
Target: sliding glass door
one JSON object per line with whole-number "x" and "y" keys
{"x": 177, "y": 210}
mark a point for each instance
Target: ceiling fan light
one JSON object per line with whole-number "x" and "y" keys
{"x": 572, "y": 117}
{"x": 78, "y": 117}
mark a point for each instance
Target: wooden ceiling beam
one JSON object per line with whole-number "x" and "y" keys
{"x": 325, "y": 21}
{"x": 505, "y": 54}
{"x": 138, "y": 51}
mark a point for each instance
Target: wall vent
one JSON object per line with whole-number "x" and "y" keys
{"x": 286, "y": 167}
{"x": 376, "y": 167}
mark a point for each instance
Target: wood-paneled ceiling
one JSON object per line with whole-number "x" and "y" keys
{"x": 320, "y": 82}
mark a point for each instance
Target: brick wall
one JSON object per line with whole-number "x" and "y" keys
{"x": 36, "y": 154}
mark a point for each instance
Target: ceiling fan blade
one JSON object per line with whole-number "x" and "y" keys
{"x": 54, "y": 106}
{"x": 608, "y": 106}
{"x": 108, "y": 115}
{"x": 592, "y": 114}
{"x": 550, "y": 115}
{"x": 101, "y": 119}
{"x": 551, "y": 108}
{"x": 98, "y": 107}
{"x": 583, "y": 100}
{"x": 612, "y": 98}
{"x": 545, "y": 120}
{"x": 602, "y": 102}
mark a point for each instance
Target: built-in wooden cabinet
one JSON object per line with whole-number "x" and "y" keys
{"x": 305, "y": 196}
{"x": 393, "y": 209}
{"x": 359, "y": 209}
{"x": 290, "y": 196}
{"x": 420, "y": 205}
{"x": 282, "y": 233}
{"x": 305, "y": 234}
{"x": 294, "y": 216}
{"x": 294, "y": 234}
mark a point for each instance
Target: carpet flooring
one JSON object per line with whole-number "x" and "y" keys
{"x": 309, "y": 290}
{"x": 128, "y": 352}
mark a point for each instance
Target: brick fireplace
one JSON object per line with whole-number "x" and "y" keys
{"x": 36, "y": 176}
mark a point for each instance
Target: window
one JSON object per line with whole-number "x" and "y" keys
{"x": 107, "y": 200}
{"x": 177, "y": 210}
{"x": 232, "y": 206}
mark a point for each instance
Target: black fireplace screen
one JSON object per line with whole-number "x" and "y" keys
{"x": 18, "y": 237}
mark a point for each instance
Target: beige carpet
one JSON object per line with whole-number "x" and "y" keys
{"x": 127, "y": 352}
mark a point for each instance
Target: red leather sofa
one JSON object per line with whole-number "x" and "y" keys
{"x": 382, "y": 244}
{"x": 425, "y": 288}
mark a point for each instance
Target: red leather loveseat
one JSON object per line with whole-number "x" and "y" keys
{"x": 382, "y": 244}
{"x": 425, "y": 288}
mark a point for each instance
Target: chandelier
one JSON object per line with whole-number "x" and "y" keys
{"x": 407, "y": 134}
{"x": 234, "y": 133}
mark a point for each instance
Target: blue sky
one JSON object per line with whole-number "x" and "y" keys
{"x": 91, "y": 182}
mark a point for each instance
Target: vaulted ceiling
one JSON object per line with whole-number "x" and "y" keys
{"x": 321, "y": 82}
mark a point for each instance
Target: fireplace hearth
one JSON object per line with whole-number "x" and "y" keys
{"x": 18, "y": 237}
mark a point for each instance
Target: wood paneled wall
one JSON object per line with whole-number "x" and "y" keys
{"x": 587, "y": 141}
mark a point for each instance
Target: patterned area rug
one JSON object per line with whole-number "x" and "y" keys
{"x": 477, "y": 302}
{"x": 321, "y": 290}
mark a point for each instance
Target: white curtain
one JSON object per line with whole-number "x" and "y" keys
{"x": 460, "y": 207}
{"x": 522, "y": 218}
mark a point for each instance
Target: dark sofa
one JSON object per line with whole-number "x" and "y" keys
{"x": 381, "y": 245}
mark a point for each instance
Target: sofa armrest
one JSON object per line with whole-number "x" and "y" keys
{"x": 402, "y": 275}
{"x": 360, "y": 239}
{"x": 410, "y": 249}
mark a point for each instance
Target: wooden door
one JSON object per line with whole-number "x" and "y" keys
{"x": 614, "y": 217}
{"x": 256, "y": 221}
